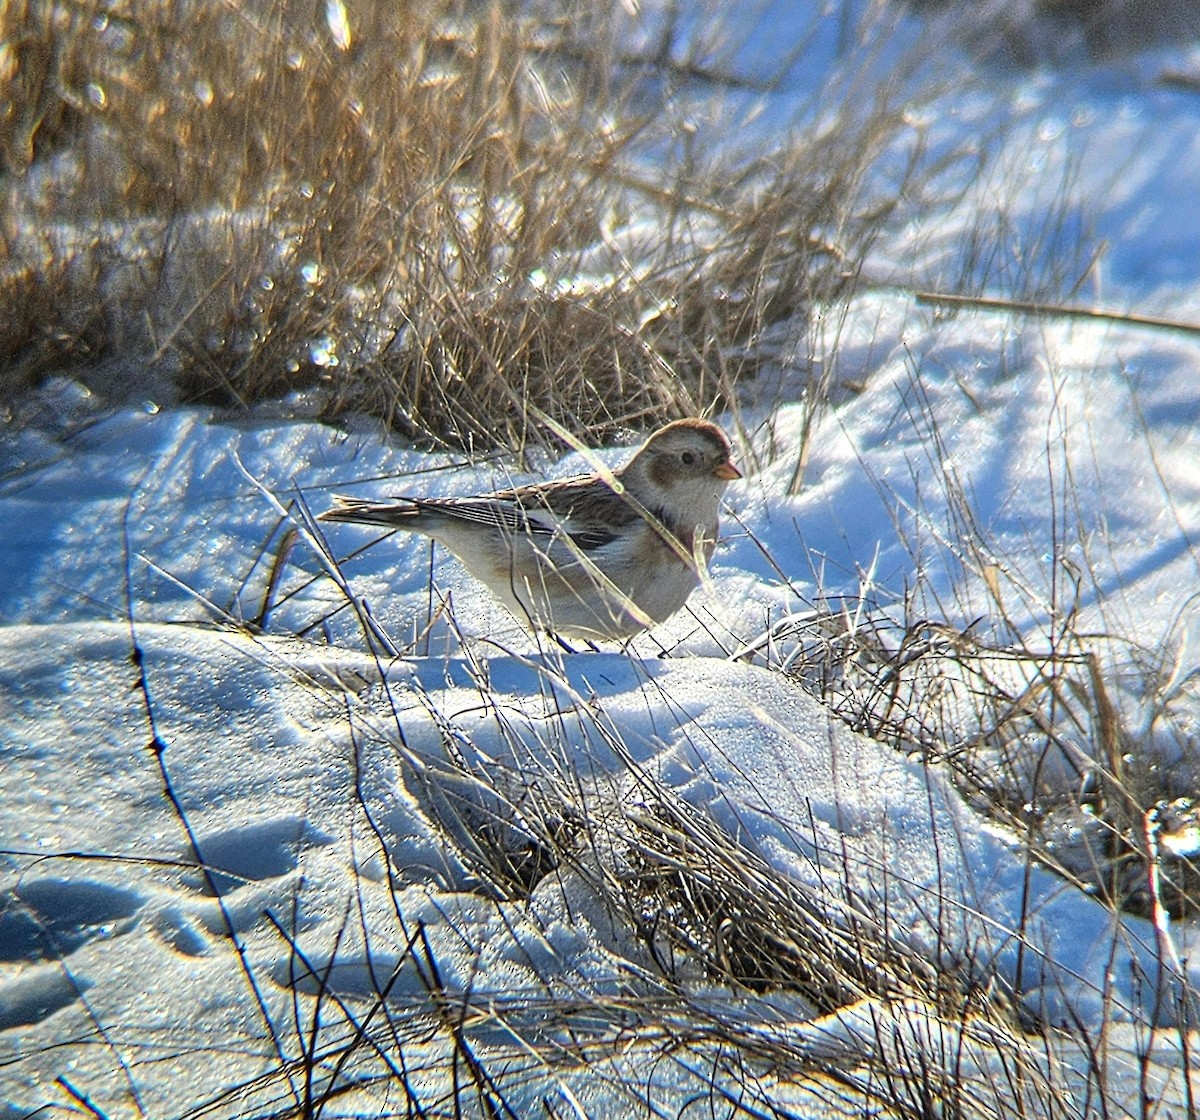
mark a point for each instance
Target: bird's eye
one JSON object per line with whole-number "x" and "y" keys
{"x": 688, "y": 458}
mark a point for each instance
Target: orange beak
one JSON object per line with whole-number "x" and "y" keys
{"x": 727, "y": 471}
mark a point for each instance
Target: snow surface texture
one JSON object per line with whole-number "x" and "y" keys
{"x": 290, "y": 766}
{"x": 342, "y": 808}
{"x": 302, "y": 773}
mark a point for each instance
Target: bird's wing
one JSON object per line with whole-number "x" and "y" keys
{"x": 588, "y": 513}
{"x": 493, "y": 511}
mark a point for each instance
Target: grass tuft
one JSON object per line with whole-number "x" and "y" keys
{"x": 430, "y": 212}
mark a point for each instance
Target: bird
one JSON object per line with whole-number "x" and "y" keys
{"x": 594, "y": 557}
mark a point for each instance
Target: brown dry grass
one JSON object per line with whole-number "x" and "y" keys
{"x": 424, "y": 221}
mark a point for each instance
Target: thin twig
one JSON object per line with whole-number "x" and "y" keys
{"x": 1054, "y": 310}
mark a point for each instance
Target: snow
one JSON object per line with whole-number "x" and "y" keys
{"x": 302, "y": 772}
{"x": 343, "y": 805}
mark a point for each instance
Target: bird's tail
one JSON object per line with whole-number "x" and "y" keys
{"x": 396, "y": 513}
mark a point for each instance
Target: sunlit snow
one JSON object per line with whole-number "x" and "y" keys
{"x": 335, "y": 796}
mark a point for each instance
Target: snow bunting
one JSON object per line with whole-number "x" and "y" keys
{"x": 598, "y": 556}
